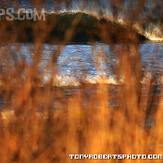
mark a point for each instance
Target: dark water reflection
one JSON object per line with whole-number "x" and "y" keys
{"x": 83, "y": 63}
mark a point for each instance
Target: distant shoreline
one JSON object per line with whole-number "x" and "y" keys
{"x": 54, "y": 30}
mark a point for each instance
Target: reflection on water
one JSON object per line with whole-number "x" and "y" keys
{"x": 88, "y": 63}
{"x": 84, "y": 63}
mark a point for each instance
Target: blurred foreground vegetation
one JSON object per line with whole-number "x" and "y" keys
{"x": 40, "y": 125}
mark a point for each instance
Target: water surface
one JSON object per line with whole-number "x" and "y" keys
{"x": 85, "y": 63}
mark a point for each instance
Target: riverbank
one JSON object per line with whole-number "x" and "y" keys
{"x": 67, "y": 27}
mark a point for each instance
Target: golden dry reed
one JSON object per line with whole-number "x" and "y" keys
{"x": 40, "y": 125}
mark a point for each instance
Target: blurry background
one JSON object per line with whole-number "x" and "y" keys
{"x": 88, "y": 79}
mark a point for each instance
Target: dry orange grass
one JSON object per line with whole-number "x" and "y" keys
{"x": 39, "y": 126}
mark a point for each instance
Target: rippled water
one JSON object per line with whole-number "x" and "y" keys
{"x": 84, "y": 62}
